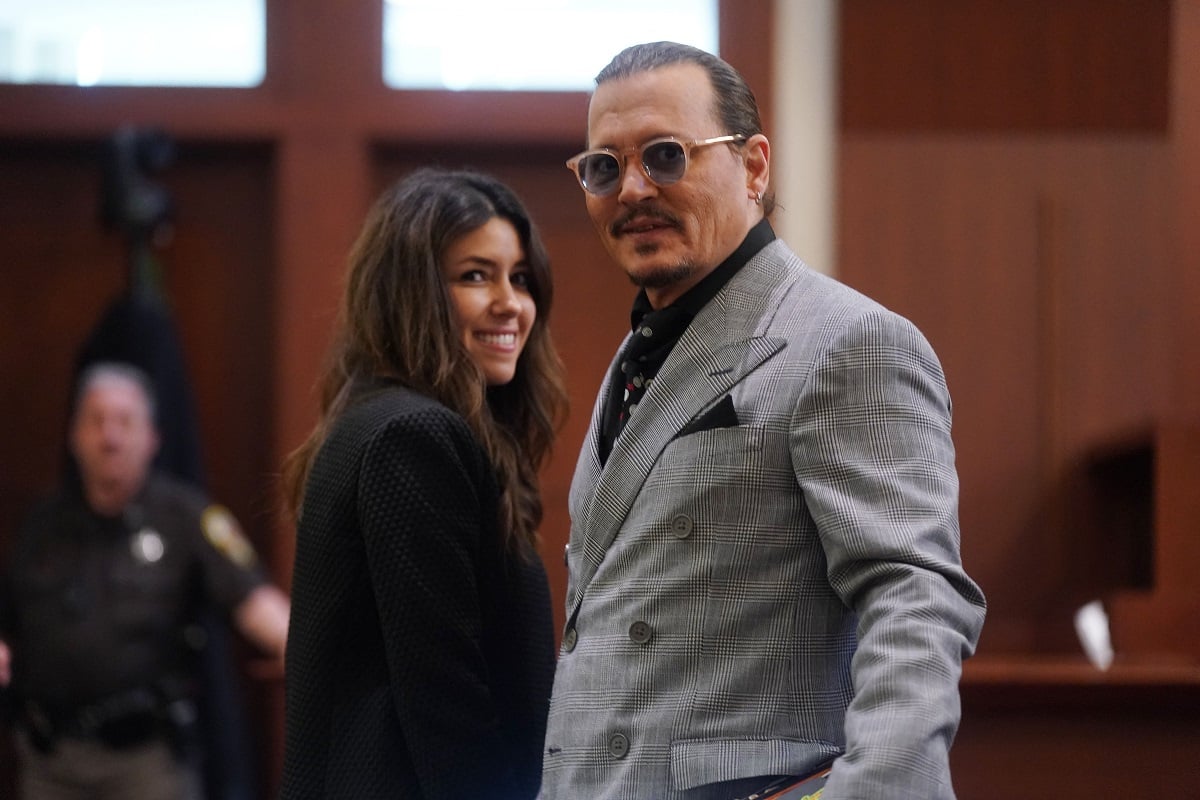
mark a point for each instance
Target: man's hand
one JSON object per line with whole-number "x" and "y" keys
{"x": 263, "y": 619}
{"x": 5, "y": 664}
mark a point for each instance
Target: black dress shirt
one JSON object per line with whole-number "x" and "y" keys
{"x": 656, "y": 331}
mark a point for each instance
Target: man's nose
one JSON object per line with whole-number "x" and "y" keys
{"x": 635, "y": 186}
{"x": 112, "y": 430}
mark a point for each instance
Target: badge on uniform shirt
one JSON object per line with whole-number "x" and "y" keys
{"x": 147, "y": 546}
{"x": 223, "y": 533}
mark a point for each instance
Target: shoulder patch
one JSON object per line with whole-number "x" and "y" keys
{"x": 223, "y": 533}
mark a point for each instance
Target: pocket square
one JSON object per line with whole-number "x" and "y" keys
{"x": 722, "y": 415}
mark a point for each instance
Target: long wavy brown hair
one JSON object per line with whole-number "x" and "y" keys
{"x": 396, "y": 324}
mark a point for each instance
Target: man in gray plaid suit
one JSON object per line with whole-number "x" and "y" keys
{"x": 764, "y": 556}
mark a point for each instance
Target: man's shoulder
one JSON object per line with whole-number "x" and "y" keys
{"x": 178, "y": 508}
{"x": 172, "y": 506}
{"x": 811, "y": 294}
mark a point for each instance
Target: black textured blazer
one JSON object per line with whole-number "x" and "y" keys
{"x": 420, "y": 655}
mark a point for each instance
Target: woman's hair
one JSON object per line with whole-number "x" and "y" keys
{"x": 396, "y": 323}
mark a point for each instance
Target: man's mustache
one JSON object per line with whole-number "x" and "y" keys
{"x": 643, "y": 213}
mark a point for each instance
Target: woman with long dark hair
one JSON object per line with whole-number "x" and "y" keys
{"x": 420, "y": 654}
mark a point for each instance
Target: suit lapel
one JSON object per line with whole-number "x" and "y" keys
{"x": 587, "y": 468}
{"x": 718, "y": 350}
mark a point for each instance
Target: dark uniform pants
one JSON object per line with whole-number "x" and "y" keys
{"x": 82, "y": 769}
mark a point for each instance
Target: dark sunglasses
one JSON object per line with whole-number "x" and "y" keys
{"x": 664, "y": 161}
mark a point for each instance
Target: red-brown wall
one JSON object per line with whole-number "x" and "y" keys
{"x": 1017, "y": 178}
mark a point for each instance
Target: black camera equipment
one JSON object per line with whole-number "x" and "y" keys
{"x": 132, "y": 204}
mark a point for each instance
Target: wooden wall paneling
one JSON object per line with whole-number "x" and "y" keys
{"x": 1087, "y": 197}
{"x": 1047, "y": 329}
{"x": 1184, "y": 290}
{"x": 1004, "y": 65}
{"x": 1105, "y": 262}
{"x": 1037, "y": 748}
{"x": 322, "y": 184}
{"x": 35, "y": 112}
{"x": 747, "y": 44}
{"x": 59, "y": 270}
{"x": 1115, "y": 241}
{"x": 943, "y": 232}
{"x": 62, "y": 269}
{"x": 218, "y": 273}
{"x": 1160, "y": 620}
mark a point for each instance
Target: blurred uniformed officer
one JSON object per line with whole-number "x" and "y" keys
{"x": 96, "y": 621}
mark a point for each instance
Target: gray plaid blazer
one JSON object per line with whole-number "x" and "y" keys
{"x": 754, "y": 594}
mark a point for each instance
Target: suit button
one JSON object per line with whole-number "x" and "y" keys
{"x": 567, "y": 555}
{"x": 681, "y": 526}
{"x": 640, "y": 632}
{"x": 618, "y": 745}
{"x": 569, "y": 639}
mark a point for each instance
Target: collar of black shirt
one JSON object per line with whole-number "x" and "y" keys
{"x": 698, "y": 296}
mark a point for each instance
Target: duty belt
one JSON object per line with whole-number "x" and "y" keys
{"x": 124, "y": 719}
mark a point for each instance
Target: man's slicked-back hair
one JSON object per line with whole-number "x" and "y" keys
{"x": 736, "y": 106}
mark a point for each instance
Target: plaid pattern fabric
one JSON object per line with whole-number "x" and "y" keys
{"x": 755, "y": 599}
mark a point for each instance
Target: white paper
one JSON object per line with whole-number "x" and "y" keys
{"x": 1091, "y": 625}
